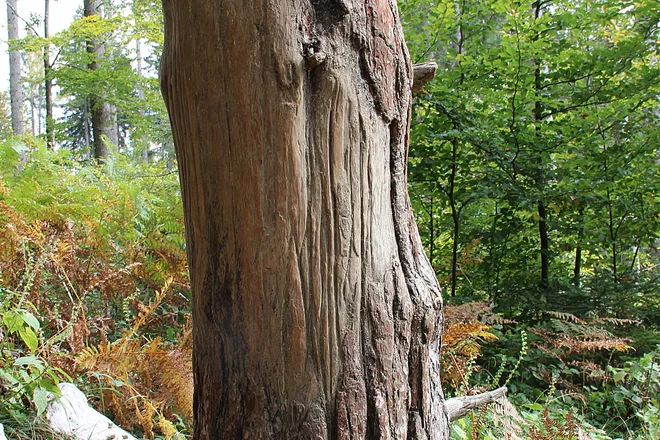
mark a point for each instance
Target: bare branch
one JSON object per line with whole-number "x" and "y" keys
{"x": 27, "y": 23}
{"x": 458, "y": 407}
{"x": 422, "y": 74}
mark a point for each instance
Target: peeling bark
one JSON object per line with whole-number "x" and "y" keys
{"x": 316, "y": 312}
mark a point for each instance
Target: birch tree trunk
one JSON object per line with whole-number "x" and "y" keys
{"x": 316, "y": 313}
{"x": 15, "y": 87}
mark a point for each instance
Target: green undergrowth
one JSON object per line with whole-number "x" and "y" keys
{"x": 92, "y": 266}
{"x": 95, "y": 290}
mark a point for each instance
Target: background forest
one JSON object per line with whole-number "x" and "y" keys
{"x": 534, "y": 169}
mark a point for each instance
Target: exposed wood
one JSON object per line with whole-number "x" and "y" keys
{"x": 422, "y": 74}
{"x": 316, "y": 313}
{"x": 459, "y": 407}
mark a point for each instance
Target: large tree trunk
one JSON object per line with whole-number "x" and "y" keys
{"x": 15, "y": 87}
{"x": 316, "y": 312}
{"x": 102, "y": 122}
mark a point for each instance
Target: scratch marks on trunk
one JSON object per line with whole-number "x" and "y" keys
{"x": 317, "y": 312}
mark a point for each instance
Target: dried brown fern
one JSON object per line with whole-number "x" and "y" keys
{"x": 144, "y": 382}
{"x": 553, "y": 430}
{"x": 465, "y": 330}
{"x": 506, "y": 416}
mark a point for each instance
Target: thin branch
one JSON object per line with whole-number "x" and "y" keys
{"x": 459, "y": 407}
{"x": 27, "y": 23}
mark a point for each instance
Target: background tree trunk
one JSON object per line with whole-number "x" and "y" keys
{"x": 316, "y": 312}
{"x": 144, "y": 144}
{"x": 48, "y": 81}
{"x": 102, "y": 123}
{"x": 15, "y": 87}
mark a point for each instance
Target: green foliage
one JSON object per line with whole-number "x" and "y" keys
{"x": 125, "y": 76}
{"x": 630, "y": 401}
{"x": 87, "y": 247}
{"x": 5, "y": 116}
{"x": 26, "y": 377}
{"x": 541, "y": 118}
{"x": 534, "y": 175}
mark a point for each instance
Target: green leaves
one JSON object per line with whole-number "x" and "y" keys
{"x": 40, "y": 399}
{"x": 30, "y": 320}
{"x": 554, "y": 104}
{"x": 25, "y": 324}
{"x": 24, "y": 375}
{"x": 29, "y": 337}
{"x": 125, "y": 75}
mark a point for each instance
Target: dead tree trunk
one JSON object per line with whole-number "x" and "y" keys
{"x": 316, "y": 312}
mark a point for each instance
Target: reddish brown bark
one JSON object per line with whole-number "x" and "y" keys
{"x": 316, "y": 313}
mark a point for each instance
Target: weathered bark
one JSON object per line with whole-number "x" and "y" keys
{"x": 102, "y": 123}
{"x": 316, "y": 312}
{"x": 15, "y": 87}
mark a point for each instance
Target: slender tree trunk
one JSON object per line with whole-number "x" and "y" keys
{"x": 15, "y": 86}
{"x": 578, "y": 252}
{"x": 431, "y": 230}
{"x": 48, "y": 81}
{"x": 101, "y": 110}
{"x": 86, "y": 129}
{"x": 453, "y": 172}
{"x": 540, "y": 180}
{"x": 613, "y": 234}
{"x": 316, "y": 313}
{"x": 33, "y": 112}
{"x": 39, "y": 98}
{"x": 455, "y": 216}
{"x": 143, "y": 140}
{"x": 40, "y": 114}
{"x": 493, "y": 291}
{"x": 545, "y": 245}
